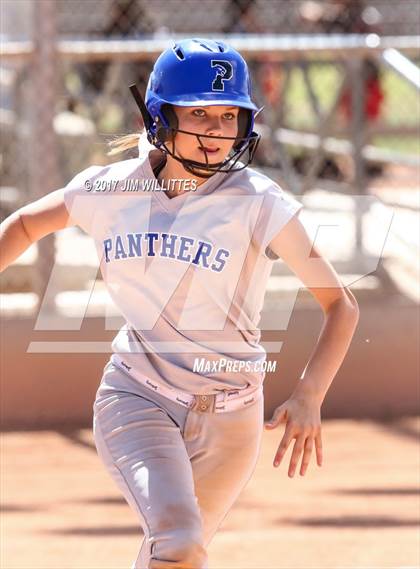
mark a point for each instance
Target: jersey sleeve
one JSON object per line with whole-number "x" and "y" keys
{"x": 277, "y": 208}
{"x": 80, "y": 199}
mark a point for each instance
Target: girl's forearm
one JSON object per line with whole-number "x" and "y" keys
{"x": 333, "y": 343}
{"x": 13, "y": 240}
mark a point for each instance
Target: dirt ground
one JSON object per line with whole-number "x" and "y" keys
{"x": 60, "y": 508}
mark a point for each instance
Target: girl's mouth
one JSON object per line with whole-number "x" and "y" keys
{"x": 209, "y": 150}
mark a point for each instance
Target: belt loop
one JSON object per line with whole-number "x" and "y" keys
{"x": 213, "y": 403}
{"x": 222, "y": 403}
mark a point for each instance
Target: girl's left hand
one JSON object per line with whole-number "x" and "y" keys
{"x": 303, "y": 423}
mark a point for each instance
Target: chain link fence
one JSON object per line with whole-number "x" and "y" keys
{"x": 341, "y": 107}
{"x": 136, "y": 17}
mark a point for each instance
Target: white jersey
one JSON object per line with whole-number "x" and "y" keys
{"x": 187, "y": 273}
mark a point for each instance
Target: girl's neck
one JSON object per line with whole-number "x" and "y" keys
{"x": 173, "y": 170}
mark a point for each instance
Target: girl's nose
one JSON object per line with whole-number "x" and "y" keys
{"x": 214, "y": 127}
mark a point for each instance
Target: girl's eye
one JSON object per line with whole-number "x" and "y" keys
{"x": 202, "y": 113}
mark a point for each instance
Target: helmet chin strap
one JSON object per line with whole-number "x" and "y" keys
{"x": 199, "y": 169}
{"x": 207, "y": 169}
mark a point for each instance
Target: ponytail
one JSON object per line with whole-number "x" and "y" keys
{"x": 128, "y": 141}
{"x": 123, "y": 143}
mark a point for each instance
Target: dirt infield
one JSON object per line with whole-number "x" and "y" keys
{"x": 60, "y": 508}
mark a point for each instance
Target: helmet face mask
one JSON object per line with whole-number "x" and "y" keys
{"x": 207, "y": 169}
{"x": 241, "y": 144}
{"x": 199, "y": 72}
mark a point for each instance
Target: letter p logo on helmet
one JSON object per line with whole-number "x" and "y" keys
{"x": 224, "y": 72}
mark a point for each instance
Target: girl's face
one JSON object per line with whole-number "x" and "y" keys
{"x": 214, "y": 120}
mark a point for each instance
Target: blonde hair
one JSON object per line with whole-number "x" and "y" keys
{"x": 123, "y": 143}
{"x": 133, "y": 140}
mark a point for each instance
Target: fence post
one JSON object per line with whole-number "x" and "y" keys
{"x": 43, "y": 163}
{"x": 358, "y": 136}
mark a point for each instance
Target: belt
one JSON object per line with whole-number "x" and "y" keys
{"x": 226, "y": 400}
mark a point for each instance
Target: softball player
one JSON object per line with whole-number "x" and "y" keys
{"x": 178, "y": 415}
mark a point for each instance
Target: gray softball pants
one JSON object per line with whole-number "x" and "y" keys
{"x": 180, "y": 470}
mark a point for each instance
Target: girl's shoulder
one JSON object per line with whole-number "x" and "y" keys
{"x": 253, "y": 182}
{"x": 263, "y": 191}
{"x": 98, "y": 191}
{"x": 115, "y": 171}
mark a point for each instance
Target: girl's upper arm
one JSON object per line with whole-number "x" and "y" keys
{"x": 295, "y": 247}
{"x": 45, "y": 215}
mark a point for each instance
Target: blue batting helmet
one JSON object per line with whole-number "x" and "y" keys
{"x": 200, "y": 72}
